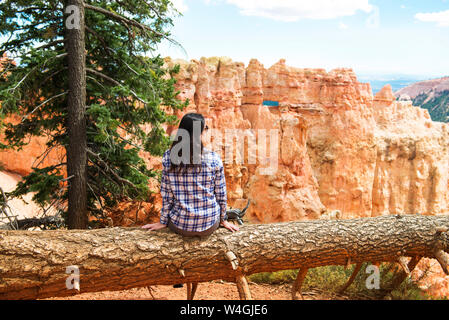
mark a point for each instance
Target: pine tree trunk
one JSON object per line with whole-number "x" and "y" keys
{"x": 33, "y": 263}
{"x": 76, "y": 122}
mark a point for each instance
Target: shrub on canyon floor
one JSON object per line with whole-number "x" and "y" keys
{"x": 332, "y": 278}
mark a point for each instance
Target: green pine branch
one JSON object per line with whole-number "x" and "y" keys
{"x": 128, "y": 88}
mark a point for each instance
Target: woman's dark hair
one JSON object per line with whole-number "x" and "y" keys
{"x": 187, "y": 148}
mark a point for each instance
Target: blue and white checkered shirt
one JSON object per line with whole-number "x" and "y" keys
{"x": 194, "y": 201}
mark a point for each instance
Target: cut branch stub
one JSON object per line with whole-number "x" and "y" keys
{"x": 348, "y": 263}
{"x": 297, "y": 285}
{"x": 232, "y": 259}
{"x": 402, "y": 275}
{"x": 191, "y": 290}
{"x": 442, "y": 258}
{"x": 442, "y": 229}
{"x": 403, "y": 262}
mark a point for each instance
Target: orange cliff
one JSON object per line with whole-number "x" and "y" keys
{"x": 363, "y": 155}
{"x": 32, "y": 154}
{"x": 339, "y": 147}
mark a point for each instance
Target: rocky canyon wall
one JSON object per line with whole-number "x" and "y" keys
{"x": 230, "y": 96}
{"x": 363, "y": 155}
{"x": 339, "y": 147}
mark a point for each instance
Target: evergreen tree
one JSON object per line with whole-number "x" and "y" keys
{"x": 82, "y": 74}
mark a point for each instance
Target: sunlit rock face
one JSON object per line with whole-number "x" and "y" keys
{"x": 325, "y": 123}
{"x": 362, "y": 155}
{"x": 32, "y": 155}
{"x": 231, "y": 97}
{"x": 338, "y": 148}
{"x": 412, "y": 165}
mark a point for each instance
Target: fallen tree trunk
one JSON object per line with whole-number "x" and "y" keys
{"x": 33, "y": 263}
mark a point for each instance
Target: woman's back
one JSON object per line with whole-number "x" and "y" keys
{"x": 194, "y": 198}
{"x": 193, "y": 185}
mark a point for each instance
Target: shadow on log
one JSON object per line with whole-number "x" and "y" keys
{"x": 33, "y": 264}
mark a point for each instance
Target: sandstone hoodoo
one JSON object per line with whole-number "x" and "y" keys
{"x": 338, "y": 146}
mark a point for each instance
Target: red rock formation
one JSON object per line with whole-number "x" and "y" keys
{"x": 349, "y": 137}
{"x": 412, "y": 162}
{"x": 30, "y": 156}
{"x": 231, "y": 97}
{"x": 338, "y": 147}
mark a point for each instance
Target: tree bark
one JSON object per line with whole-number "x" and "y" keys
{"x": 354, "y": 274}
{"x": 33, "y": 263}
{"x": 297, "y": 285}
{"x": 76, "y": 121}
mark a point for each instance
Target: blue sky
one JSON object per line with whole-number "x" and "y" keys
{"x": 376, "y": 37}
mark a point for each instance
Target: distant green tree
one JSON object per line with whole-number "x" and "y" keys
{"x": 79, "y": 73}
{"x": 437, "y": 103}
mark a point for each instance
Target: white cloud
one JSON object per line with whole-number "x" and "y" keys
{"x": 293, "y": 10}
{"x": 440, "y": 18}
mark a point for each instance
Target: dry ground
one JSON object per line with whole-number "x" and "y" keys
{"x": 215, "y": 290}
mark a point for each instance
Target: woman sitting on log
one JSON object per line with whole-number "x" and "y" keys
{"x": 193, "y": 185}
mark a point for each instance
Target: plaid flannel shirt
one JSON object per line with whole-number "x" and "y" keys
{"x": 194, "y": 201}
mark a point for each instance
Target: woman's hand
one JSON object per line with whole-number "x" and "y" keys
{"x": 154, "y": 226}
{"x": 230, "y": 226}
